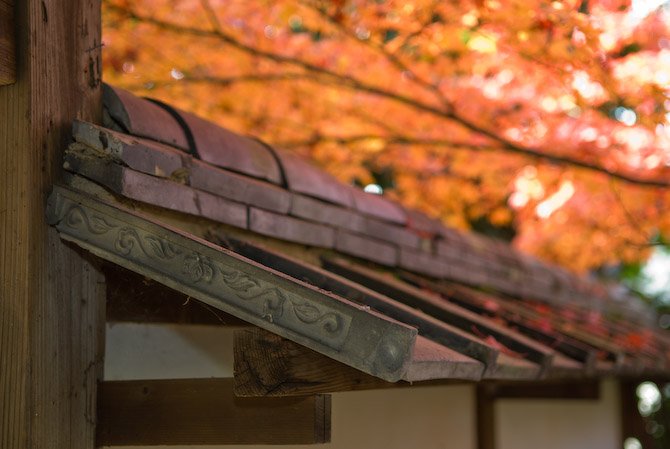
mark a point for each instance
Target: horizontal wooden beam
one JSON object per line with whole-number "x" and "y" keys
{"x": 205, "y": 411}
{"x": 564, "y": 389}
{"x": 7, "y": 43}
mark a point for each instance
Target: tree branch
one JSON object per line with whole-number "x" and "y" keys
{"x": 357, "y": 85}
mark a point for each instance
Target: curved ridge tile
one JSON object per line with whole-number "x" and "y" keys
{"x": 305, "y": 178}
{"x": 226, "y": 149}
{"x": 142, "y": 117}
{"x": 378, "y": 206}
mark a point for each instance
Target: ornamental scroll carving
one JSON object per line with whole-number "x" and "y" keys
{"x": 187, "y": 266}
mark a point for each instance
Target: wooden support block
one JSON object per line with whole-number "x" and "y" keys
{"x": 269, "y": 365}
{"x": 7, "y": 43}
{"x": 205, "y": 411}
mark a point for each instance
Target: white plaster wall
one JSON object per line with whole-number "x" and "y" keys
{"x": 560, "y": 424}
{"x": 425, "y": 417}
{"x": 163, "y": 351}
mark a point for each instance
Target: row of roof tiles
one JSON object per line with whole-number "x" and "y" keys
{"x": 278, "y": 194}
{"x": 156, "y": 154}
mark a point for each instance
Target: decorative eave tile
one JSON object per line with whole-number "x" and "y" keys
{"x": 331, "y": 325}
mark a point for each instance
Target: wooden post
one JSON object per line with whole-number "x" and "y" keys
{"x": 51, "y": 304}
{"x": 7, "y": 43}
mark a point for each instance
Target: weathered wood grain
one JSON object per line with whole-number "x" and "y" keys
{"x": 51, "y": 314}
{"x": 269, "y": 365}
{"x": 205, "y": 411}
{"x": 7, "y": 43}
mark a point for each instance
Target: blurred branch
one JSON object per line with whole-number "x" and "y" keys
{"x": 376, "y": 46}
{"x": 347, "y": 82}
{"x": 388, "y": 140}
{"x": 631, "y": 220}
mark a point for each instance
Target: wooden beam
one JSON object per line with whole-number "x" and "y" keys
{"x": 52, "y": 295}
{"x": 485, "y": 418}
{"x": 7, "y": 43}
{"x": 269, "y": 365}
{"x": 564, "y": 389}
{"x": 135, "y": 298}
{"x": 205, "y": 412}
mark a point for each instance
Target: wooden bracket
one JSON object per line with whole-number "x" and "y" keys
{"x": 205, "y": 412}
{"x": 7, "y": 43}
{"x": 269, "y": 365}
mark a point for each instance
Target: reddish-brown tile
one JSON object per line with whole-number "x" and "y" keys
{"x": 391, "y": 233}
{"x": 378, "y": 206}
{"x": 143, "y": 155}
{"x": 322, "y": 212}
{"x": 305, "y": 178}
{"x": 143, "y": 118}
{"x": 226, "y": 149}
{"x": 291, "y": 229}
{"x": 156, "y": 191}
{"x": 239, "y": 188}
{"x": 422, "y": 223}
{"x": 423, "y": 263}
{"x": 366, "y": 248}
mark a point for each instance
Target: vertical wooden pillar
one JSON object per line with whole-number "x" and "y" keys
{"x": 51, "y": 303}
{"x": 485, "y": 420}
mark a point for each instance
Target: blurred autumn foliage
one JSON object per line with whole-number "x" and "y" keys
{"x": 542, "y": 121}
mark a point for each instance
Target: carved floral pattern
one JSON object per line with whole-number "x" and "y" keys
{"x": 76, "y": 217}
{"x": 198, "y": 268}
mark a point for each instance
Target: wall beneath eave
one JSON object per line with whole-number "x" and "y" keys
{"x": 560, "y": 424}
{"x": 425, "y": 417}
